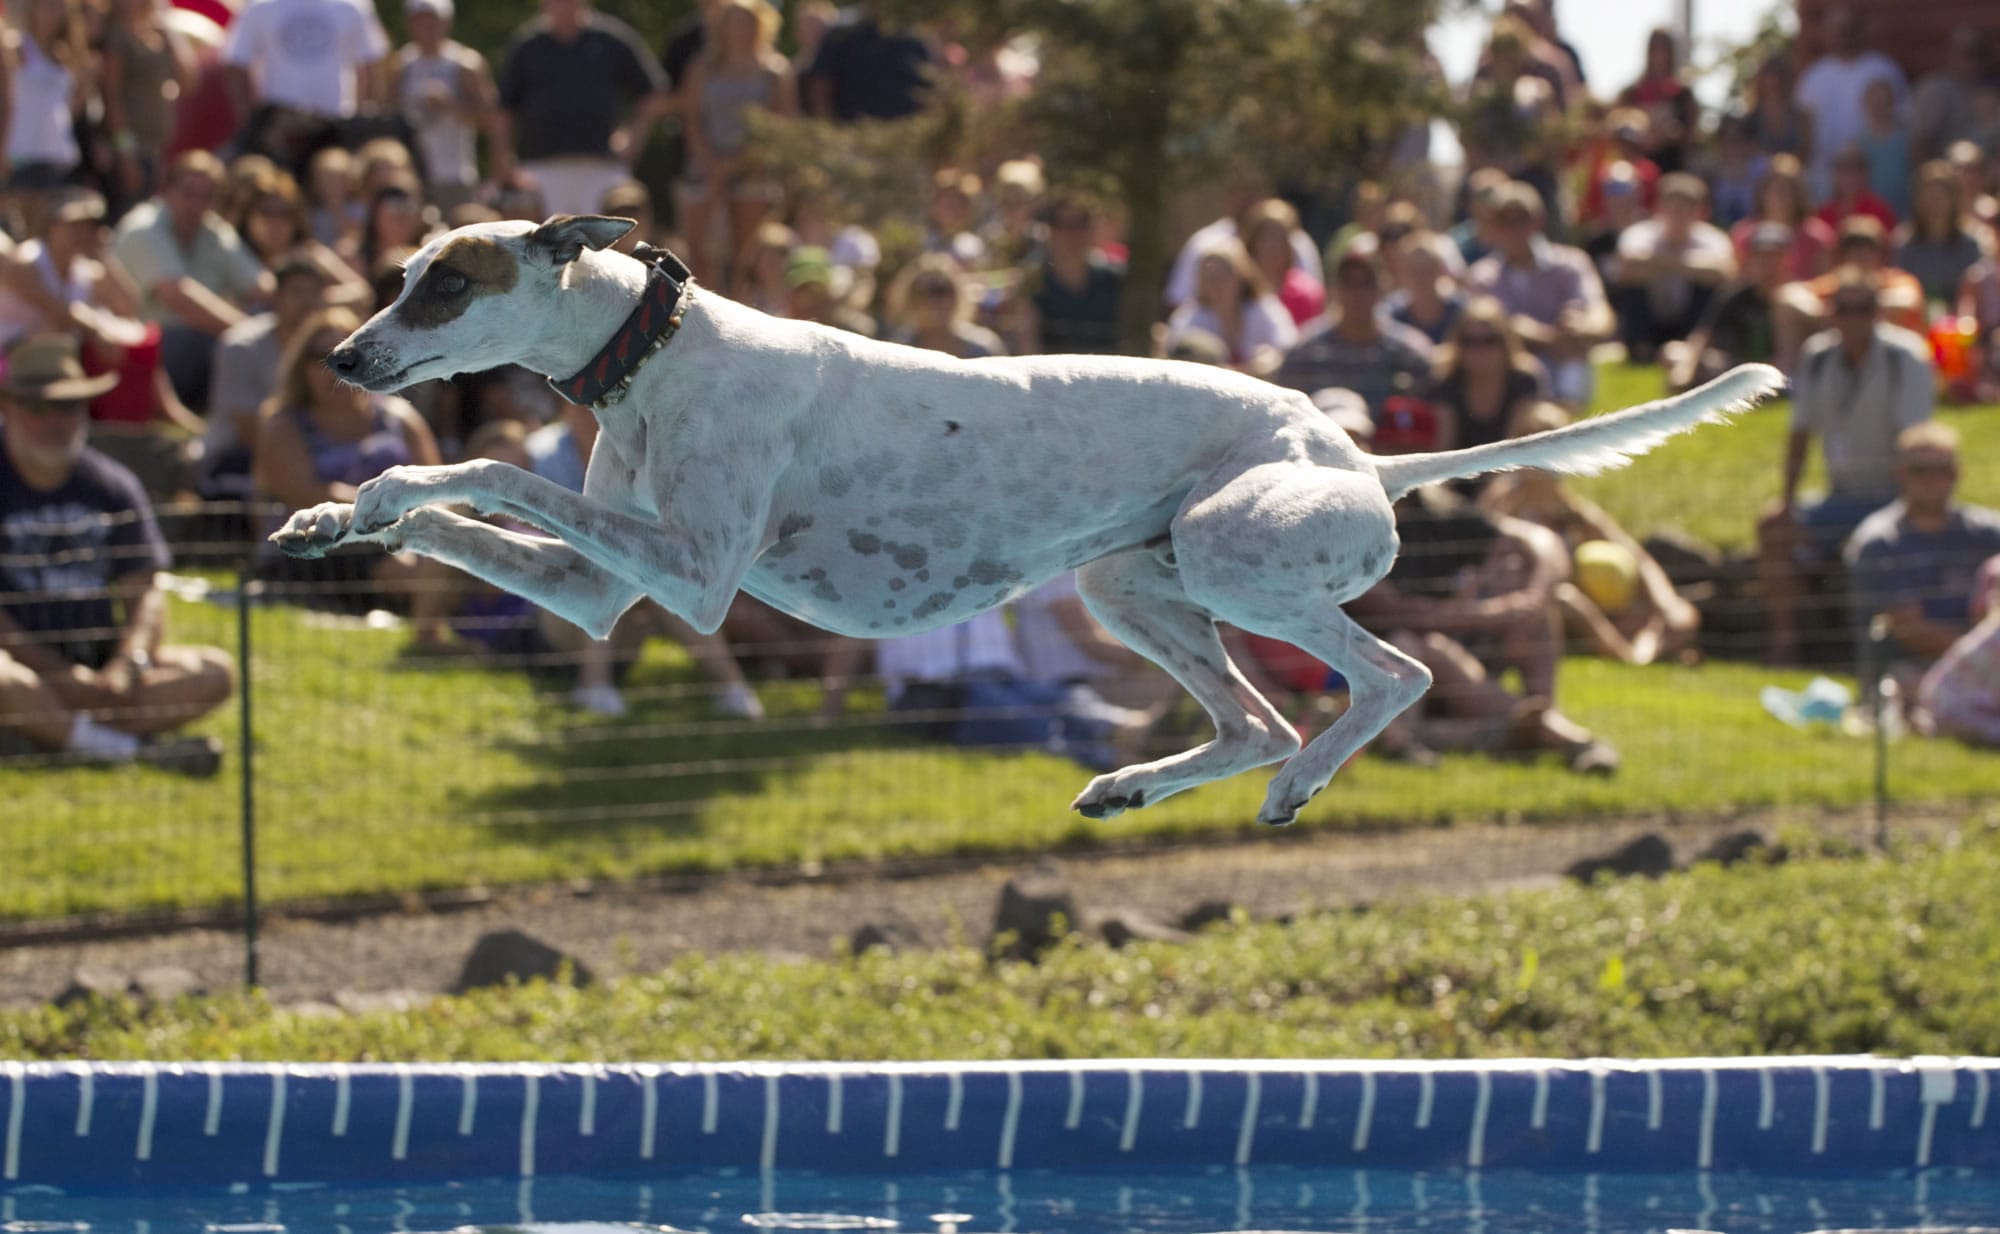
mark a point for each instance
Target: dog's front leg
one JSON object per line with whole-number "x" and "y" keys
{"x": 547, "y": 572}
{"x": 691, "y": 561}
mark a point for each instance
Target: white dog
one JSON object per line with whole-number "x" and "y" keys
{"x": 878, "y": 490}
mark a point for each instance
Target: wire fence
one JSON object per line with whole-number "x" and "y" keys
{"x": 390, "y": 733}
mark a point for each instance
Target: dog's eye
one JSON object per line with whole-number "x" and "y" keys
{"x": 451, "y": 283}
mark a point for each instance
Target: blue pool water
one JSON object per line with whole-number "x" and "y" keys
{"x": 1260, "y": 1198}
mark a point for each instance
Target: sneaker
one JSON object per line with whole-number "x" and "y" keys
{"x": 599, "y": 700}
{"x": 740, "y": 701}
{"x": 199, "y": 757}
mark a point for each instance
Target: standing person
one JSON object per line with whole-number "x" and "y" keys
{"x": 1832, "y": 87}
{"x": 298, "y": 68}
{"x": 196, "y": 277}
{"x": 1944, "y": 107}
{"x": 47, "y": 83}
{"x": 566, "y": 79}
{"x": 446, "y": 92}
{"x": 1776, "y": 123}
{"x": 147, "y": 67}
{"x": 738, "y": 73}
{"x": 1670, "y": 106}
{"x": 1076, "y": 290}
{"x": 863, "y": 71}
{"x": 1856, "y": 388}
{"x": 84, "y": 665}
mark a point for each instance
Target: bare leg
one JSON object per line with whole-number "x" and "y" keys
{"x": 184, "y": 684}
{"x": 1778, "y": 571}
{"x": 31, "y": 707}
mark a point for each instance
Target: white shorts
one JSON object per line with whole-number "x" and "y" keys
{"x": 576, "y": 185}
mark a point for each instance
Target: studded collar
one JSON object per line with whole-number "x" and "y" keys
{"x": 651, "y": 325}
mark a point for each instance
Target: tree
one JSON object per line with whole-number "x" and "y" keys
{"x": 1153, "y": 97}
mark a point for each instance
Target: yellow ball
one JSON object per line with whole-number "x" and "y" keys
{"x": 1608, "y": 573}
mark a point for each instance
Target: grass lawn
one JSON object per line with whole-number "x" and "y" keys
{"x": 1711, "y": 483}
{"x": 374, "y": 775}
{"x": 1836, "y": 954}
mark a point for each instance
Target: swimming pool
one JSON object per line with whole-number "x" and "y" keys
{"x": 1741, "y": 1145}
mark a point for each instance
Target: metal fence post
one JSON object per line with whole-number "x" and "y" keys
{"x": 248, "y": 799}
{"x": 1877, "y": 668}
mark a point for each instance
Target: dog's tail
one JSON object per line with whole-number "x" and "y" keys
{"x": 1593, "y": 445}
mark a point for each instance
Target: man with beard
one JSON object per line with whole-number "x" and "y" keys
{"x": 83, "y": 666}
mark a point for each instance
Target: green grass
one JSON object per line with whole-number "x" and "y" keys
{"x": 1826, "y": 954}
{"x": 1713, "y": 482}
{"x": 372, "y": 775}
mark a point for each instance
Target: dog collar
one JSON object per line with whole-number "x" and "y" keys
{"x": 652, "y": 325}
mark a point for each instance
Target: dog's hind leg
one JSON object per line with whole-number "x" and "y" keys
{"x": 1381, "y": 682}
{"x": 1138, "y": 597}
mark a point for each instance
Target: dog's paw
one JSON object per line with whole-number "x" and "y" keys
{"x": 1281, "y": 807}
{"x": 1102, "y": 798}
{"x": 312, "y": 532}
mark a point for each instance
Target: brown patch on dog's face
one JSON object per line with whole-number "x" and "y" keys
{"x": 464, "y": 270}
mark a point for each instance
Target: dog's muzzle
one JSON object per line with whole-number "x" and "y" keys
{"x": 371, "y": 367}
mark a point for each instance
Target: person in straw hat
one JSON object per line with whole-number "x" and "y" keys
{"x": 84, "y": 668}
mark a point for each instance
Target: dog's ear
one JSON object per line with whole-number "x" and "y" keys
{"x": 565, "y": 236}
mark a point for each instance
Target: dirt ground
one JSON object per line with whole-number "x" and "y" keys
{"x": 625, "y": 928}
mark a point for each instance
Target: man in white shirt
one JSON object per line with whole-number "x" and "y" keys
{"x": 1856, "y": 388}
{"x": 1668, "y": 267}
{"x": 320, "y": 57}
{"x": 1832, "y": 88}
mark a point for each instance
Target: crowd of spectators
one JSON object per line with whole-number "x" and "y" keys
{"x": 190, "y": 228}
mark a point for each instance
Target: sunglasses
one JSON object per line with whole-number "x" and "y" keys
{"x": 52, "y": 407}
{"x": 1930, "y": 467}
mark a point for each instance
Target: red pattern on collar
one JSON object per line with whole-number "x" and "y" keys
{"x": 652, "y": 321}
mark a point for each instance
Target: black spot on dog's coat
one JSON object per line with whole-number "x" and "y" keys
{"x": 936, "y": 602}
{"x": 950, "y": 427}
{"x": 793, "y": 524}
{"x": 910, "y": 557}
{"x": 897, "y": 584}
{"x": 863, "y": 543}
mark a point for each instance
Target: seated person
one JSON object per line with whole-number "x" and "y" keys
{"x": 1061, "y": 642}
{"x": 1960, "y": 694}
{"x": 1618, "y": 602}
{"x": 560, "y": 452}
{"x": 1914, "y": 561}
{"x": 1740, "y": 326}
{"x": 1353, "y": 347}
{"x": 1803, "y": 308}
{"x": 1551, "y": 291}
{"x": 1856, "y": 388}
{"x": 245, "y": 376}
{"x": 58, "y": 281}
{"x": 319, "y": 439}
{"x": 1468, "y": 597}
{"x": 966, "y": 684}
{"x": 814, "y": 283}
{"x": 1979, "y": 299}
{"x": 1669, "y": 266}
{"x": 1486, "y": 382}
{"x": 1233, "y": 302}
{"x": 1852, "y": 197}
{"x": 1427, "y": 298}
{"x": 196, "y": 277}
{"x": 84, "y": 667}
{"x": 1471, "y": 596}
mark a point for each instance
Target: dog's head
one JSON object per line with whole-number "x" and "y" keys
{"x": 474, "y": 299}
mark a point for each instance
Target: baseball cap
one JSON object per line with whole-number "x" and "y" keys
{"x": 1406, "y": 424}
{"x": 437, "y": 8}
{"x": 809, "y": 263}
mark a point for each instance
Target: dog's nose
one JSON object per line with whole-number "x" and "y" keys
{"x": 344, "y": 361}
